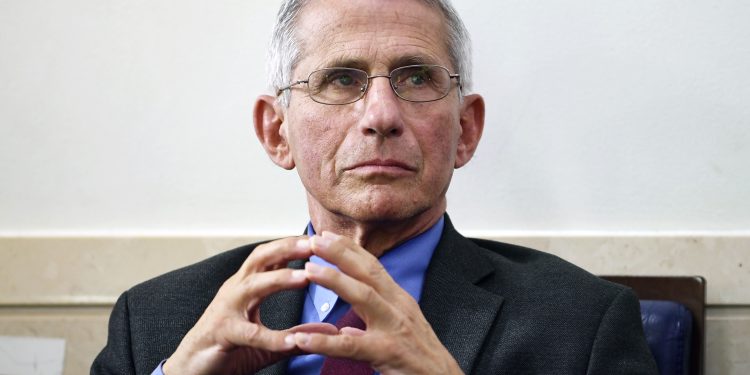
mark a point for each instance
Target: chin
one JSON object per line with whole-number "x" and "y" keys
{"x": 375, "y": 208}
{"x": 382, "y": 215}
{"x": 381, "y": 203}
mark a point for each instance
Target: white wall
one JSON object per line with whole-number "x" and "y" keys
{"x": 126, "y": 116}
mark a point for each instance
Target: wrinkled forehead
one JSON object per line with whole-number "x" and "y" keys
{"x": 371, "y": 35}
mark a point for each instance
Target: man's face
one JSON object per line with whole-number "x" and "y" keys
{"x": 380, "y": 158}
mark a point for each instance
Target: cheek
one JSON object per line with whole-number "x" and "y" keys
{"x": 439, "y": 144}
{"x": 315, "y": 141}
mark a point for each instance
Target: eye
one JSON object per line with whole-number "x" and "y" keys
{"x": 412, "y": 77}
{"x": 340, "y": 78}
{"x": 418, "y": 78}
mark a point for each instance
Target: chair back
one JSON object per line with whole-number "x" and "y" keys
{"x": 673, "y": 311}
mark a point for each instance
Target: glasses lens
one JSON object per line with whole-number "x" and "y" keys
{"x": 421, "y": 83}
{"x": 337, "y": 85}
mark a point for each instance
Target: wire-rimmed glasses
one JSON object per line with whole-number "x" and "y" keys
{"x": 414, "y": 83}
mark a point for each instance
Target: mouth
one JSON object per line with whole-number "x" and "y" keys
{"x": 382, "y": 166}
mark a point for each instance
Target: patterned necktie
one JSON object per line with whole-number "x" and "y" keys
{"x": 341, "y": 366}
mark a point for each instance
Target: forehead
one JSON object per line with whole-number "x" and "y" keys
{"x": 371, "y": 34}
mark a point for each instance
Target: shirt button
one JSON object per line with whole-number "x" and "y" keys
{"x": 325, "y": 307}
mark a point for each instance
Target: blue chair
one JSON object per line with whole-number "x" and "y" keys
{"x": 668, "y": 326}
{"x": 673, "y": 316}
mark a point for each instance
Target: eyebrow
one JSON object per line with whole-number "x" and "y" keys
{"x": 413, "y": 60}
{"x": 357, "y": 63}
{"x": 346, "y": 62}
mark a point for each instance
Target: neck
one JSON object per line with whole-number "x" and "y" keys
{"x": 375, "y": 235}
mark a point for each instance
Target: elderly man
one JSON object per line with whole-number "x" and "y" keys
{"x": 372, "y": 109}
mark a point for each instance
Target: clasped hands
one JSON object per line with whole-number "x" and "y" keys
{"x": 230, "y": 338}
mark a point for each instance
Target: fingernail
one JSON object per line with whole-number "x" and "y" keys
{"x": 303, "y": 243}
{"x": 298, "y": 275}
{"x": 312, "y": 268}
{"x": 289, "y": 340}
{"x": 301, "y": 338}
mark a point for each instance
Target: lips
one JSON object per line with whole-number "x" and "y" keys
{"x": 382, "y": 165}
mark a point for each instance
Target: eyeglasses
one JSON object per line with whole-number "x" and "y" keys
{"x": 414, "y": 83}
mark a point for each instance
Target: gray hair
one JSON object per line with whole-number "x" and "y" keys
{"x": 285, "y": 52}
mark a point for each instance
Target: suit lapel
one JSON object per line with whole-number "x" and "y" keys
{"x": 281, "y": 311}
{"x": 460, "y": 312}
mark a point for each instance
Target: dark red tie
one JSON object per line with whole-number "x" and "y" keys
{"x": 341, "y": 366}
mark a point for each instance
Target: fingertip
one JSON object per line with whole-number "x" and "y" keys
{"x": 301, "y": 339}
{"x": 298, "y": 275}
{"x": 303, "y": 244}
{"x": 319, "y": 242}
{"x": 312, "y": 269}
{"x": 289, "y": 342}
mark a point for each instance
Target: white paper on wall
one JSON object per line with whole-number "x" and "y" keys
{"x": 31, "y": 355}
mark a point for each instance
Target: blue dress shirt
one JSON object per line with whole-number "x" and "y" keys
{"x": 406, "y": 263}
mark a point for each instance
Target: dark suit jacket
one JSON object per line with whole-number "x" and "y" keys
{"x": 498, "y": 308}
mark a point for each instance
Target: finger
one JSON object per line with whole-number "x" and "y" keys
{"x": 247, "y": 334}
{"x": 352, "y": 260}
{"x": 274, "y": 353}
{"x": 339, "y": 346}
{"x": 255, "y": 287}
{"x": 351, "y": 331}
{"x": 275, "y": 345}
{"x": 276, "y": 253}
{"x": 364, "y": 299}
{"x": 242, "y": 333}
{"x": 322, "y": 328}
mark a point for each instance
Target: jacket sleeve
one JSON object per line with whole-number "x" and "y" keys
{"x": 620, "y": 346}
{"x": 117, "y": 356}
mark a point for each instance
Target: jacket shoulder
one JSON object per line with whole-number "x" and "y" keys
{"x": 538, "y": 272}
{"x": 558, "y": 318}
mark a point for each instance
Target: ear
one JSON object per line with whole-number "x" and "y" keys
{"x": 268, "y": 117}
{"x": 472, "y": 125}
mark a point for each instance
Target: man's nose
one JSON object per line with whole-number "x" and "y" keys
{"x": 382, "y": 110}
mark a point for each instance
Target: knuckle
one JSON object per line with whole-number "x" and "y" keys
{"x": 375, "y": 271}
{"x": 349, "y": 347}
{"x": 369, "y": 296}
{"x": 403, "y": 325}
{"x": 251, "y": 333}
{"x": 249, "y": 281}
{"x": 251, "y": 264}
{"x": 391, "y": 350}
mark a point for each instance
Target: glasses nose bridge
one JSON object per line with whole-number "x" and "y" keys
{"x": 371, "y": 77}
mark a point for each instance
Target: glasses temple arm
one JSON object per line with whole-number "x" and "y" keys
{"x": 289, "y": 86}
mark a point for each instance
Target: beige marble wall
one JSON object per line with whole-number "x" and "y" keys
{"x": 83, "y": 328}
{"x": 64, "y": 286}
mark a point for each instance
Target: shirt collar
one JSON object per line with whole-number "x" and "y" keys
{"x": 406, "y": 263}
